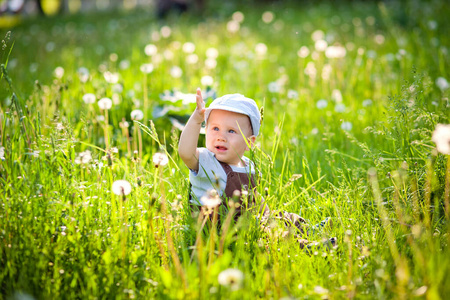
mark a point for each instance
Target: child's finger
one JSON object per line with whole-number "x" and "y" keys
{"x": 200, "y": 102}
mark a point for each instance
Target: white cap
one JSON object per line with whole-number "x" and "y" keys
{"x": 239, "y": 104}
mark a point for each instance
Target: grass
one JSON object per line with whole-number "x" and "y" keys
{"x": 370, "y": 165}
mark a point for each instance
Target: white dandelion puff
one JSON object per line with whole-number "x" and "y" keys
{"x": 210, "y": 200}
{"x": 292, "y": 94}
{"x": 83, "y": 157}
{"x": 233, "y": 26}
{"x": 121, "y": 187}
{"x": 210, "y": 63}
{"x": 192, "y": 59}
{"x": 146, "y": 68}
{"x": 261, "y": 49}
{"x": 317, "y": 35}
{"x": 212, "y": 53}
{"x": 367, "y": 102}
{"x": 231, "y": 278}
{"x": 322, "y": 103}
{"x": 303, "y": 52}
{"x": 347, "y": 126}
{"x": 137, "y": 114}
{"x": 238, "y": 16}
{"x": 59, "y": 72}
{"x": 111, "y": 77}
{"x": 267, "y": 17}
{"x": 336, "y": 95}
{"x": 166, "y": 31}
{"x": 176, "y": 72}
{"x": 188, "y": 47}
{"x": 340, "y": 107}
{"x": 335, "y": 52}
{"x": 207, "y": 80}
{"x": 321, "y": 45}
{"x": 89, "y": 98}
{"x": 160, "y": 159}
{"x": 83, "y": 74}
{"x": 150, "y": 50}
{"x": 105, "y": 103}
{"x": 441, "y": 137}
{"x": 442, "y": 83}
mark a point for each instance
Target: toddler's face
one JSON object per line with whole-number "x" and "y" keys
{"x": 224, "y": 137}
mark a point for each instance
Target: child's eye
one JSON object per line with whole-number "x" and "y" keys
{"x": 231, "y": 131}
{"x": 216, "y": 128}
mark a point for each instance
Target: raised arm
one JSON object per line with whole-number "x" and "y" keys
{"x": 187, "y": 146}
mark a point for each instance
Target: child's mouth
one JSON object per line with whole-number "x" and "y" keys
{"x": 221, "y": 148}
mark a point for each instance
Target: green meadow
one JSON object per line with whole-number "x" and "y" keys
{"x": 352, "y": 94}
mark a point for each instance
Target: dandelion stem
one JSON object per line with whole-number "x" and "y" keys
{"x": 447, "y": 190}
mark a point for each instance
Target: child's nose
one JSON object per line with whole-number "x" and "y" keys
{"x": 221, "y": 138}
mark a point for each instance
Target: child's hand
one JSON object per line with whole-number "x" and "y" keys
{"x": 199, "y": 113}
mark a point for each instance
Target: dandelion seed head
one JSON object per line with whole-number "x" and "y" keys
{"x": 160, "y": 159}
{"x": 238, "y": 16}
{"x": 322, "y": 103}
{"x": 211, "y": 200}
{"x": 441, "y": 137}
{"x": 321, "y": 45}
{"x": 207, "y": 80}
{"x": 233, "y": 26}
{"x": 442, "y": 83}
{"x": 188, "y": 47}
{"x": 84, "y": 157}
{"x": 83, "y": 74}
{"x": 210, "y": 63}
{"x": 335, "y": 52}
{"x": 146, "y": 68}
{"x": 176, "y": 72}
{"x": 340, "y": 107}
{"x": 59, "y": 72}
{"x": 124, "y": 64}
{"x": 117, "y": 88}
{"x": 105, "y": 103}
{"x": 121, "y": 187}
{"x": 137, "y": 114}
{"x": 212, "y": 53}
{"x": 231, "y": 278}
{"x": 267, "y": 17}
{"x": 89, "y": 98}
{"x": 303, "y": 52}
{"x": 2, "y": 153}
{"x": 310, "y": 70}
{"x": 347, "y": 126}
{"x": 116, "y": 99}
{"x": 432, "y": 25}
{"x": 336, "y": 95}
{"x": 261, "y": 49}
{"x": 150, "y": 50}
{"x": 168, "y": 54}
{"x": 367, "y": 102}
{"x": 317, "y": 35}
{"x": 192, "y": 59}
{"x": 113, "y": 57}
{"x": 166, "y": 31}
{"x": 111, "y": 77}
{"x": 292, "y": 94}
{"x": 274, "y": 87}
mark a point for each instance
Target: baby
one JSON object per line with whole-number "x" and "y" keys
{"x": 232, "y": 125}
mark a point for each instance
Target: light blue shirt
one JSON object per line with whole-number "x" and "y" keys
{"x": 209, "y": 172}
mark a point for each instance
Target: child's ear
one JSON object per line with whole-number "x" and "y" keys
{"x": 251, "y": 141}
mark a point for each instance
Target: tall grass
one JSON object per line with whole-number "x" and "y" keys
{"x": 365, "y": 159}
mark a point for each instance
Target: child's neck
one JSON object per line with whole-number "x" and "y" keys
{"x": 240, "y": 164}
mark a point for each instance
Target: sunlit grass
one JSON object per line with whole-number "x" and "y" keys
{"x": 92, "y": 105}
